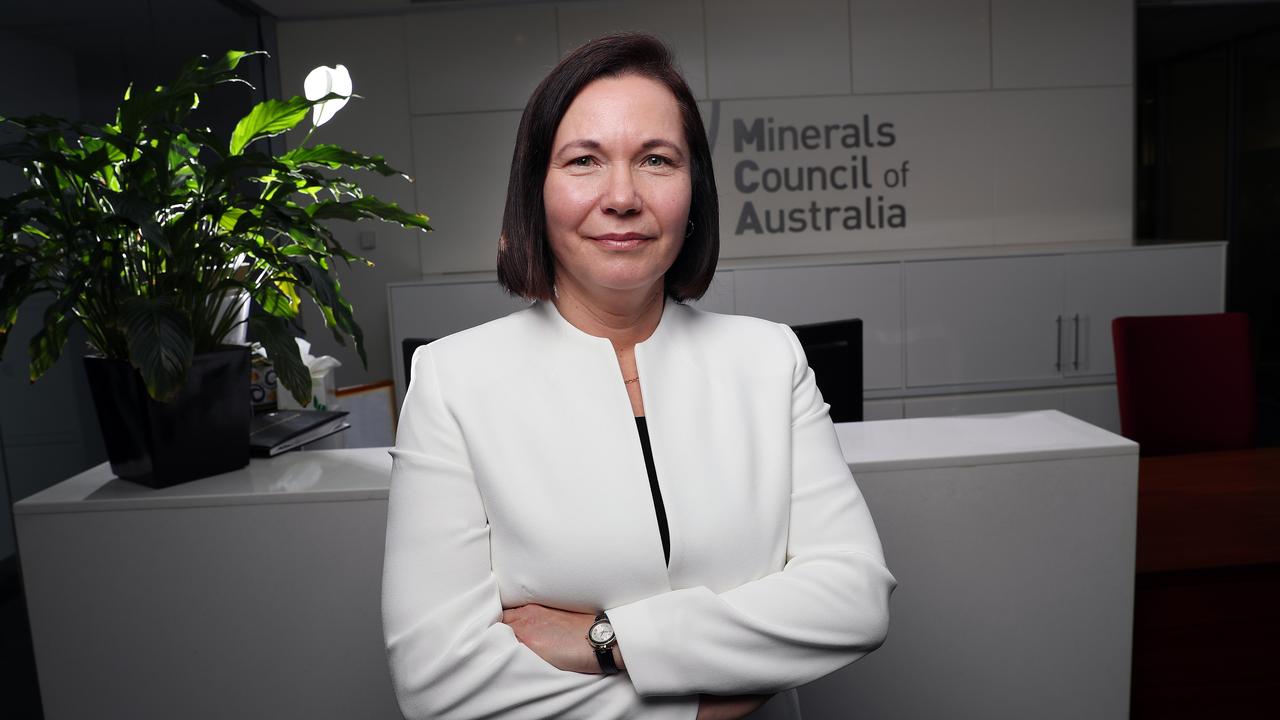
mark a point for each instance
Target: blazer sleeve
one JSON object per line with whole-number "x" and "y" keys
{"x": 827, "y": 607}
{"x": 449, "y": 654}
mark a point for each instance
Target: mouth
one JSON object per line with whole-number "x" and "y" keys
{"x": 621, "y": 241}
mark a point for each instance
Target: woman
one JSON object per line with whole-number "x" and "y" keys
{"x": 610, "y": 504}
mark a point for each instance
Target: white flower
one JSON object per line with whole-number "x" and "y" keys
{"x": 322, "y": 81}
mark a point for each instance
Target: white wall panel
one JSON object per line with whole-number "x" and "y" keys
{"x": 1063, "y": 164}
{"x": 483, "y": 58}
{"x": 377, "y": 123}
{"x": 675, "y": 22}
{"x": 920, "y": 45}
{"x": 758, "y": 48}
{"x": 462, "y": 163}
{"x": 1052, "y": 43}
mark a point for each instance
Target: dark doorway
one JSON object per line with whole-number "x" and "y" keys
{"x": 1208, "y": 168}
{"x": 1208, "y": 154}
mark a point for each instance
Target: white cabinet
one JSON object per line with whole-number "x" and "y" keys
{"x": 152, "y": 603}
{"x": 882, "y": 409}
{"x": 941, "y": 335}
{"x": 1044, "y": 317}
{"x": 1160, "y": 280}
{"x": 982, "y": 320}
{"x": 1021, "y": 563}
{"x": 250, "y": 594}
{"x": 802, "y": 295}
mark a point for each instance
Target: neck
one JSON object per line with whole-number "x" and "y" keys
{"x": 624, "y": 318}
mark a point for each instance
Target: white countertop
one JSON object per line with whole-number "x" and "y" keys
{"x": 975, "y": 440}
{"x": 301, "y": 476}
{"x": 364, "y": 473}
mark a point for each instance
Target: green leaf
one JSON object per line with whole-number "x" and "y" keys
{"x": 368, "y": 207}
{"x": 230, "y": 218}
{"x": 338, "y": 314}
{"x": 92, "y": 144}
{"x": 174, "y": 102}
{"x": 15, "y": 287}
{"x": 160, "y": 344}
{"x": 16, "y": 211}
{"x": 305, "y": 238}
{"x": 46, "y": 346}
{"x": 279, "y": 298}
{"x": 282, "y": 349}
{"x": 268, "y": 118}
{"x": 334, "y": 157}
{"x": 250, "y": 162}
{"x": 142, "y": 214}
{"x": 229, "y": 61}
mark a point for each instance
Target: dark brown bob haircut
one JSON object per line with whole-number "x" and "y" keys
{"x": 526, "y": 266}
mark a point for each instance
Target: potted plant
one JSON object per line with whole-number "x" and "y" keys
{"x": 152, "y": 233}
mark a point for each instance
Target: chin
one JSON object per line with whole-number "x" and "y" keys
{"x": 625, "y": 284}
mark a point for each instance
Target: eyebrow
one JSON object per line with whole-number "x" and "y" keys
{"x": 646, "y": 145}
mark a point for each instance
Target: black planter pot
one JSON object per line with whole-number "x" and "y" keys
{"x": 204, "y": 431}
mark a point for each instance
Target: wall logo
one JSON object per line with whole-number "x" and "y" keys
{"x": 820, "y": 177}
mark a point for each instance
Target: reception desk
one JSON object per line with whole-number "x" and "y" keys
{"x": 255, "y": 594}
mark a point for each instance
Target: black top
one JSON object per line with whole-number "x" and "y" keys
{"x": 658, "y": 507}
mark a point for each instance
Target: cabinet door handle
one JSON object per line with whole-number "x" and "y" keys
{"x": 1057, "y": 358}
{"x": 1075, "y": 344}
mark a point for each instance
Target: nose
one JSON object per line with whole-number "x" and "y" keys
{"x": 620, "y": 195}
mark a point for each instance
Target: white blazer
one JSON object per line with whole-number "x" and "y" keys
{"x": 518, "y": 477}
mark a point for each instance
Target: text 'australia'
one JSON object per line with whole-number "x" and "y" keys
{"x": 849, "y": 194}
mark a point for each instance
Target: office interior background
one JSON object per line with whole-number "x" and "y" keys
{"x": 1030, "y": 128}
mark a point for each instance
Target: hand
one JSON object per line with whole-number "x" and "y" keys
{"x": 557, "y": 636}
{"x": 729, "y": 707}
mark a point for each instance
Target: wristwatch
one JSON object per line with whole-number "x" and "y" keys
{"x": 602, "y": 641}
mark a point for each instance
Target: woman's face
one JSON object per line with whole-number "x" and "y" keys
{"x": 618, "y": 187}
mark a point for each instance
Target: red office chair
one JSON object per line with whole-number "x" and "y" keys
{"x": 1185, "y": 382}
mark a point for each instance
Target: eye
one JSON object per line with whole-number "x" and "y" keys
{"x": 584, "y": 161}
{"x": 660, "y": 161}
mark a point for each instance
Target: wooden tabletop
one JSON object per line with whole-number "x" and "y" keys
{"x": 1207, "y": 510}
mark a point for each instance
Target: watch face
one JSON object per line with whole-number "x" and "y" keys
{"x": 601, "y": 632}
